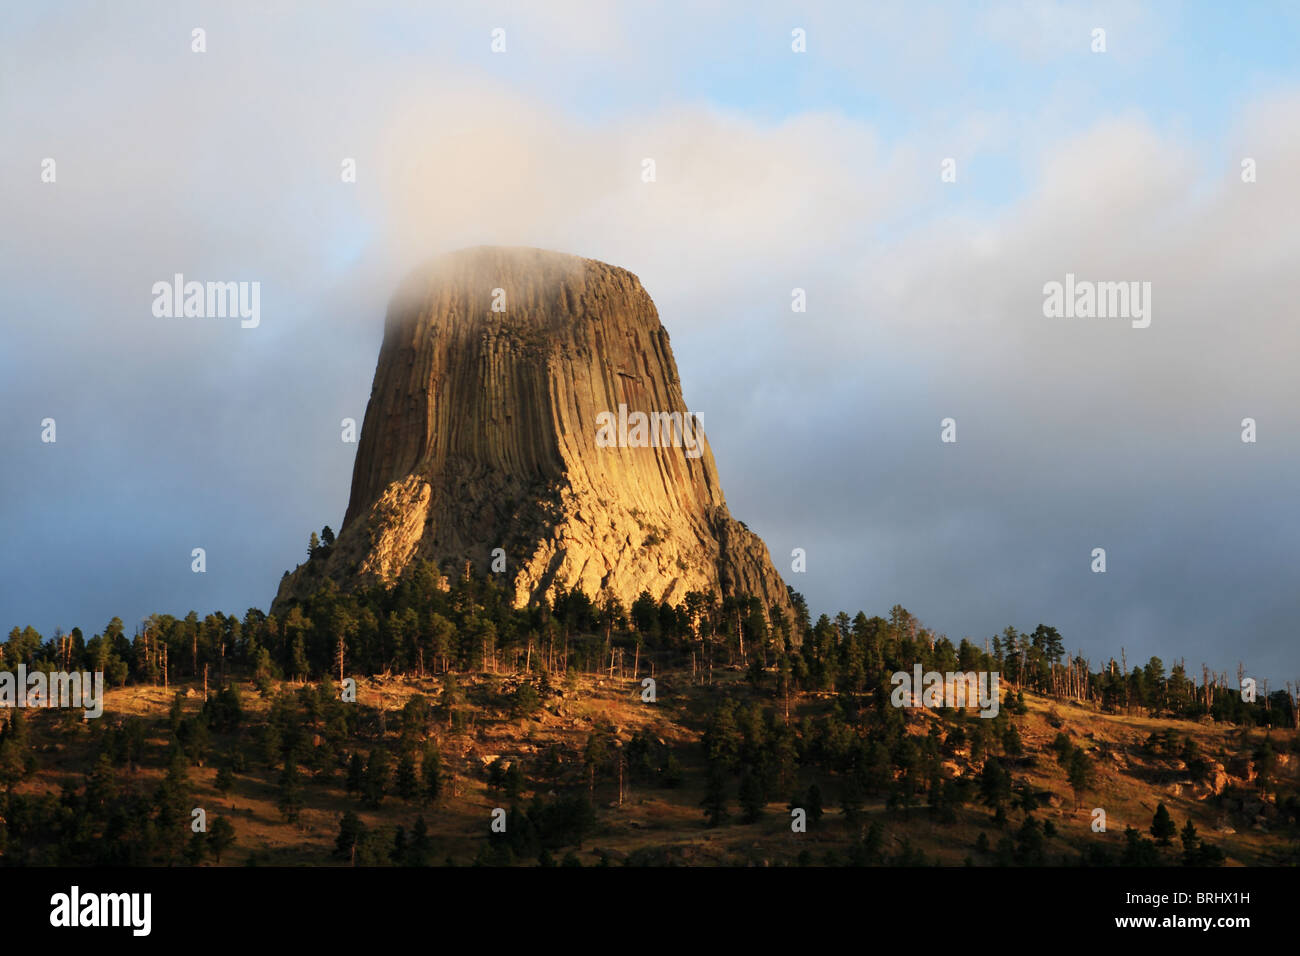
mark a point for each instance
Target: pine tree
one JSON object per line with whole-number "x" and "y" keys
{"x": 715, "y": 795}
{"x": 1029, "y": 844}
{"x": 1191, "y": 843}
{"x": 431, "y": 772}
{"x": 290, "y": 802}
{"x": 225, "y": 781}
{"x": 995, "y": 783}
{"x": 351, "y": 831}
{"x": 1162, "y": 826}
{"x": 172, "y": 801}
{"x": 375, "y": 783}
{"x": 197, "y": 848}
{"x": 407, "y": 783}
{"x": 221, "y": 837}
{"x": 813, "y": 804}
{"x": 513, "y": 780}
{"x": 1208, "y": 855}
{"x": 101, "y": 785}
{"x": 1080, "y": 774}
{"x": 176, "y": 713}
{"x": 1265, "y": 761}
{"x": 1137, "y": 851}
{"x": 1011, "y": 742}
{"x": 420, "y": 852}
{"x": 356, "y": 773}
{"x": 398, "y": 854}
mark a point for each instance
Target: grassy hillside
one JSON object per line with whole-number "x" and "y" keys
{"x": 643, "y": 767}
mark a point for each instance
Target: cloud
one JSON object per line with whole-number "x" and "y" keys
{"x": 1045, "y": 31}
{"x": 925, "y": 301}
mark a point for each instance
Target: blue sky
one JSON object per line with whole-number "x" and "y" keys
{"x": 775, "y": 170}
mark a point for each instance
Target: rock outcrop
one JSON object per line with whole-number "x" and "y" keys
{"x": 498, "y": 369}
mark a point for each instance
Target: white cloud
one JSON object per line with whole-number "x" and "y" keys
{"x": 921, "y": 302}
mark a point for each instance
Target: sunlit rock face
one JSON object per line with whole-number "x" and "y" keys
{"x": 494, "y": 422}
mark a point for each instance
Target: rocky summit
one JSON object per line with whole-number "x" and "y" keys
{"x": 527, "y": 419}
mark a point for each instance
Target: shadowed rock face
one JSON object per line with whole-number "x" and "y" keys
{"x": 482, "y": 433}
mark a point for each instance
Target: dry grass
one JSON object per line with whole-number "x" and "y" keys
{"x": 671, "y": 821}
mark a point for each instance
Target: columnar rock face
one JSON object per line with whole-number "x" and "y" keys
{"x": 484, "y": 431}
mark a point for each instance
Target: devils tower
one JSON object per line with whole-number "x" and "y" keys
{"x": 482, "y": 433}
